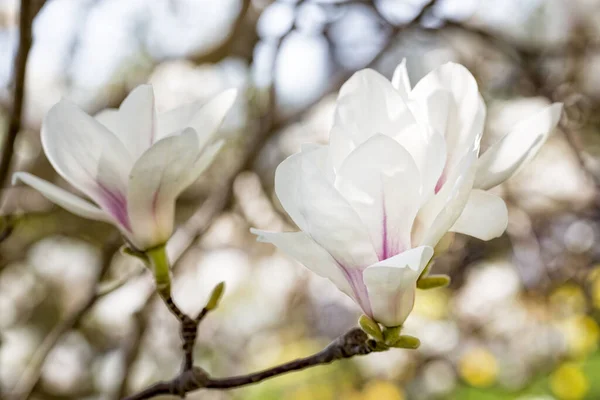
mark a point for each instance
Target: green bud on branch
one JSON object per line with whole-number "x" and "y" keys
{"x": 215, "y": 296}
{"x": 391, "y": 334}
{"x": 370, "y": 327}
{"x": 433, "y": 281}
{"x": 407, "y": 342}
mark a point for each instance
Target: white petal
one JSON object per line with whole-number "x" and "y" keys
{"x": 427, "y": 148}
{"x": 86, "y": 154}
{"x": 367, "y": 104}
{"x": 62, "y": 198}
{"x": 485, "y": 216}
{"x": 391, "y": 284}
{"x": 504, "y": 158}
{"x": 341, "y": 144}
{"x": 449, "y": 98}
{"x": 301, "y": 247}
{"x": 288, "y": 176}
{"x": 381, "y": 182}
{"x": 438, "y": 215}
{"x": 109, "y": 117}
{"x": 400, "y": 80}
{"x": 208, "y": 119}
{"x": 319, "y": 209}
{"x": 157, "y": 179}
{"x": 135, "y": 120}
{"x": 175, "y": 120}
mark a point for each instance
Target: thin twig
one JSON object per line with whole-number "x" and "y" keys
{"x": 28, "y": 11}
{"x": 353, "y": 343}
{"x": 32, "y": 373}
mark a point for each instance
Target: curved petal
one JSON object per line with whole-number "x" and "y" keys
{"x": 391, "y": 284}
{"x": 400, "y": 80}
{"x": 173, "y": 121}
{"x": 109, "y": 117}
{"x": 449, "y": 98}
{"x": 318, "y": 209}
{"x": 341, "y": 143}
{"x": 504, "y": 158}
{"x": 367, "y": 104}
{"x": 208, "y": 119}
{"x": 427, "y": 148}
{"x": 287, "y": 179}
{"x": 62, "y": 198}
{"x": 485, "y": 216}
{"x": 135, "y": 120}
{"x": 88, "y": 156}
{"x": 157, "y": 179}
{"x": 440, "y": 213}
{"x": 381, "y": 182}
{"x": 301, "y": 247}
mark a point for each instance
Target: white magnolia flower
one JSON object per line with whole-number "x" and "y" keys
{"x": 132, "y": 162}
{"x": 401, "y": 170}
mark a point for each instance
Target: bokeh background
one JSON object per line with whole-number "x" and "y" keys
{"x": 78, "y": 320}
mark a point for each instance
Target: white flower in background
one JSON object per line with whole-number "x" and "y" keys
{"x": 132, "y": 162}
{"x": 400, "y": 171}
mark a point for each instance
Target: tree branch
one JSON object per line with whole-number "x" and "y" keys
{"x": 354, "y": 343}
{"x": 32, "y": 373}
{"x": 28, "y": 11}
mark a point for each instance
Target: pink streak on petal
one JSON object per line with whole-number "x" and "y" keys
{"x": 384, "y": 245}
{"x": 391, "y": 245}
{"x": 116, "y": 205}
{"x": 440, "y": 182}
{"x": 354, "y": 276}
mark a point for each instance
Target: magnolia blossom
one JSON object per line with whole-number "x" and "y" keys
{"x": 402, "y": 169}
{"x": 131, "y": 162}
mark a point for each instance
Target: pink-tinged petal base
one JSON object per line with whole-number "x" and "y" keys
{"x": 115, "y": 204}
{"x": 391, "y": 285}
{"x": 356, "y": 281}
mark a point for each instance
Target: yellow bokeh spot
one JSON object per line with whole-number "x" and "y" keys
{"x": 568, "y": 300}
{"x": 377, "y": 390}
{"x": 432, "y": 303}
{"x": 594, "y": 280}
{"x": 568, "y": 382}
{"x": 596, "y": 293}
{"x": 478, "y": 367}
{"x": 594, "y": 273}
{"x": 313, "y": 392}
{"x": 582, "y": 334}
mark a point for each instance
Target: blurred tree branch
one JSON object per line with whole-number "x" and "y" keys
{"x": 353, "y": 343}
{"x": 28, "y": 11}
{"x": 32, "y": 373}
{"x": 527, "y": 61}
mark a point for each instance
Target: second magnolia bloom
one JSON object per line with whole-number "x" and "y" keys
{"x": 401, "y": 170}
{"x": 132, "y": 162}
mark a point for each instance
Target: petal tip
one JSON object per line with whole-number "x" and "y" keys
{"x": 229, "y": 96}
{"x": 16, "y": 177}
{"x": 556, "y": 109}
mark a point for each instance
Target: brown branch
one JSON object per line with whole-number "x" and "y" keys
{"x": 32, "y": 374}
{"x": 29, "y": 9}
{"x": 353, "y": 343}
